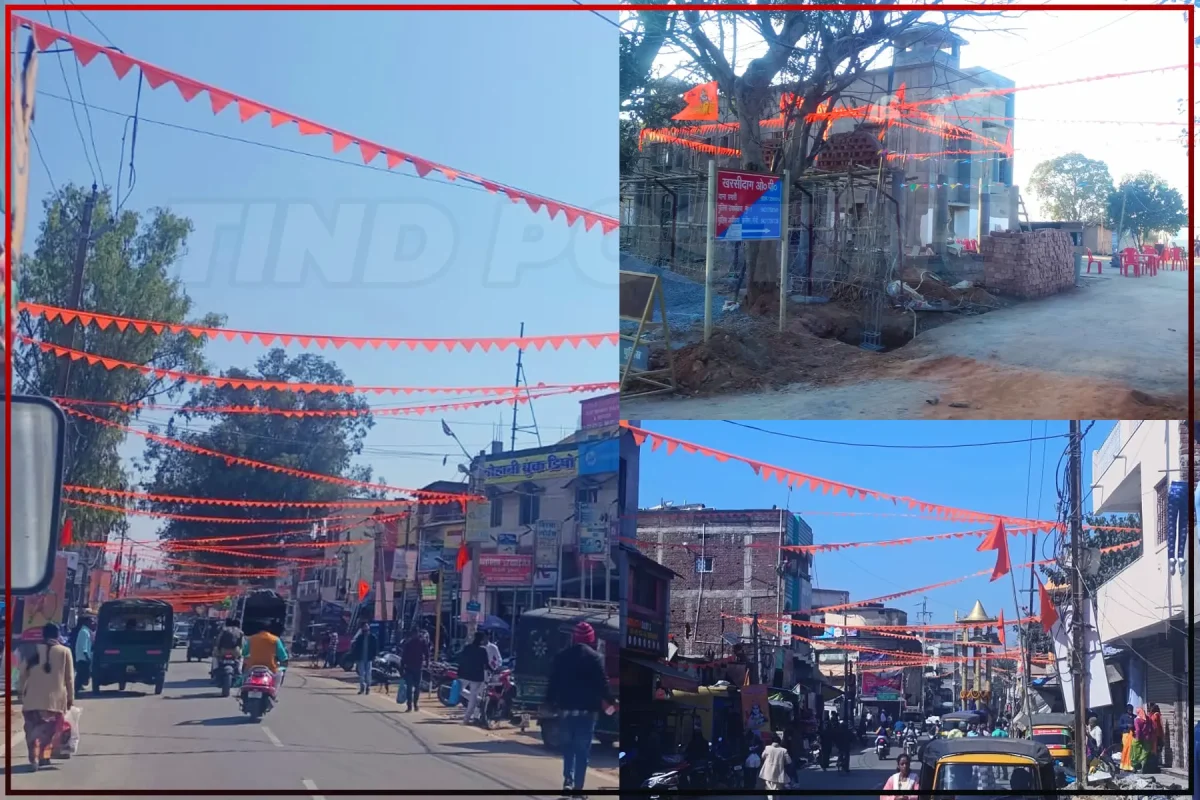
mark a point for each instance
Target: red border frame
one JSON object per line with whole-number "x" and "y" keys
{"x": 585, "y": 7}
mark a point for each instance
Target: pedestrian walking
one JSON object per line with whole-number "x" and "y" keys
{"x": 46, "y": 686}
{"x": 578, "y": 691}
{"x": 82, "y": 650}
{"x": 414, "y": 655}
{"x": 1125, "y": 730}
{"x": 775, "y": 765}
{"x": 902, "y": 783}
{"x": 363, "y": 649}
{"x": 472, "y": 671}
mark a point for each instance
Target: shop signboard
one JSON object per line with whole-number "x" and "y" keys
{"x": 599, "y": 457}
{"x": 404, "y": 566}
{"x": 452, "y": 539}
{"x": 593, "y": 540}
{"x": 511, "y": 468}
{"x": 48, "y": 606}
{"x": 644, "y": 635}
{"x": 506, "y": 543}
{"x": 496, "y": 569}
{"x": 600, "y": 412}
{"x": 479, "y": 522}
{"x": 546, "y": 543}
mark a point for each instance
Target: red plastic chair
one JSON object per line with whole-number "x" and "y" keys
{"x": 1099, "y": 264}
{"x": 1129, "y": 258}
{"x": 1176, "y": 258}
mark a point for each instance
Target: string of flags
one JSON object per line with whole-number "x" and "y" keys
{"x": 85, "y": 52}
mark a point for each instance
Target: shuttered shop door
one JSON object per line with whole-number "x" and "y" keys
{"x": 1161, "y": 688}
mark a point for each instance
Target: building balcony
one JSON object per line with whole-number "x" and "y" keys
{"x": 1117, "y": 466}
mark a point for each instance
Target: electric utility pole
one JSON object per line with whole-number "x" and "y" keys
{"x": 1078, "y": 600}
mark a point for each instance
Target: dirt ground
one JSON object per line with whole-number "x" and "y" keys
{"x": 1112, "y": 348}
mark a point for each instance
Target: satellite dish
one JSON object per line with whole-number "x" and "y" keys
{"x": 38, "y": 435}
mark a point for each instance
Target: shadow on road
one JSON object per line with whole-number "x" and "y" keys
{"x": 217, "y": 721}
{"x": 111, "y": 694}
{"x": 189, "y": 683}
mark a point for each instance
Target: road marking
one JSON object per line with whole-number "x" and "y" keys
{"x": 271, "y": 735}
{"x": 312, "y": 787}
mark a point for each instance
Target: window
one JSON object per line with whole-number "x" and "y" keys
{"x": 1160, "y": 491}
{"x": 497, "y": 513}
{"x": 587, "y": 495}
{"x": 530, "y": 509}
{"x": 704, "y": 564}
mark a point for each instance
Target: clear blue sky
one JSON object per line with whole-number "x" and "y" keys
{"x": 986, "y": 479}
{"x": 525, "y": 99}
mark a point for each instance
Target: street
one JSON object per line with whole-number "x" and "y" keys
{"x": 321, "y": 736}
{"x": 867, "y": 774}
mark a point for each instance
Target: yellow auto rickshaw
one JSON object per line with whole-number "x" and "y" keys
{"x": 1008, "y": 767}
{"x": 1056, "y": 731}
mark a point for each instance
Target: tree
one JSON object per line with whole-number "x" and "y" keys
{"x": 1149, "y": 205}
{"x": 816, "y": 55}
{"x": 1073, "y": 187}
{"x": 128, "y": 273}
{"x": 1110, "y": 563}
{"x": 321, "y": 444}
{"x": 646, "y": 101}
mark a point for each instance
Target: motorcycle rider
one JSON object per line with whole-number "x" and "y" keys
{"x": 229, "y": 643}
{"x": 265, "y": 649}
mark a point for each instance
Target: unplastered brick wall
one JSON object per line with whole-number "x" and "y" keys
{"x": 1028, "y": 264}
{"x": 742, "y": 552}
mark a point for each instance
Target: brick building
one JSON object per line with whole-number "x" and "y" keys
{"x": 731, "y": 566}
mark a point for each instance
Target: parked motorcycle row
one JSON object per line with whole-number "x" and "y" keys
{"x": 675, "y": 771}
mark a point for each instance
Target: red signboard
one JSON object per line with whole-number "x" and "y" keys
{"x": 749, "y": 206}
{"x": 502, "y": 569}
{"x": 600, "y": 412}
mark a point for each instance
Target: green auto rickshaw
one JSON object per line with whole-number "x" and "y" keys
{"x": 133, "y": 644}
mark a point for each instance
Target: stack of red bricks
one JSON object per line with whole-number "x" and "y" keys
{"x": 1028, "y": 264}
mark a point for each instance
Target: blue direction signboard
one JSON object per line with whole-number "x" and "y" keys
{"x": 749, "y": 206}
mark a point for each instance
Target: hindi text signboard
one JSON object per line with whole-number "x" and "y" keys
{"x": 749, "y": 206}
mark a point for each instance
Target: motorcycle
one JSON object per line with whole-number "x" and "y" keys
{"x": 258, "y": 693}
{"x": 910, "y": 747}
{"x": 445, "y": 681}
{"x": 881, "y": 748}
{"x": 663, "y": 782}
{"x": 225, "y": 673}
{"x": 386, "y": 669}
{"x": 497, "y": 703}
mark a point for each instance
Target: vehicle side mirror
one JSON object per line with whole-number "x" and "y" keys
{"x": 37, "y": 437}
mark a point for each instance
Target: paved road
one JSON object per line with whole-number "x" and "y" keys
{"x": 867, "y": 774}
{"x": 322, "y": 735}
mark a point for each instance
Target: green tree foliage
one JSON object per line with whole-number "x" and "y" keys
{"x": 321, "y": 444}
{"x": 1073, "y": 188}
{"x": 1110, "y": 563}
{"x": 1150, "y": 206}
{"x": 127, "y": 273}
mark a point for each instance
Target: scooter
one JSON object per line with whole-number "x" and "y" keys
{"x": 882, "y": 748}
{"x": 225, "y": 674}
{"x": 258, "y": 693}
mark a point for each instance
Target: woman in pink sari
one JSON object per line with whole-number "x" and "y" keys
{"x": 903, "y": 784}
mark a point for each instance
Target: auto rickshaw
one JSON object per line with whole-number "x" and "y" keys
{"x": 955, "y": 718}
{"x": 133, "y": 643}
{"x": 1009, "y": 767}
{"x": 201, "y": 637}
{"x": 1056, "y": 732}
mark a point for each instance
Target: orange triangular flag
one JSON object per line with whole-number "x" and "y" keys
{"x": 68, "y": 530}
{"x": 701, "y": 103}
{"x": 364, "y": 589}
{"x": 1046, "y": 610}
{"x": 463, "y": 557}
{"x": 998, "y": 540}
{"x": 1000, "y": 630}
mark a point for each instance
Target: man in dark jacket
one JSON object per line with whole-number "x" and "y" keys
{"x": 472, "y": 671}
{"x": 414, "y": 654}
{"x": 578, "y": 690}
{"x": 364, "y": 647}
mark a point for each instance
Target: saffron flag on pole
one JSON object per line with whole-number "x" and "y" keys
{"x": 701, "y": 103}
{"x": 1000, "y": 629}
{"x": 1046, "y": 610}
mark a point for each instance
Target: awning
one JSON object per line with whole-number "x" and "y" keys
{"x": 826, "y": 691}
{"x": 668, "y": 677}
